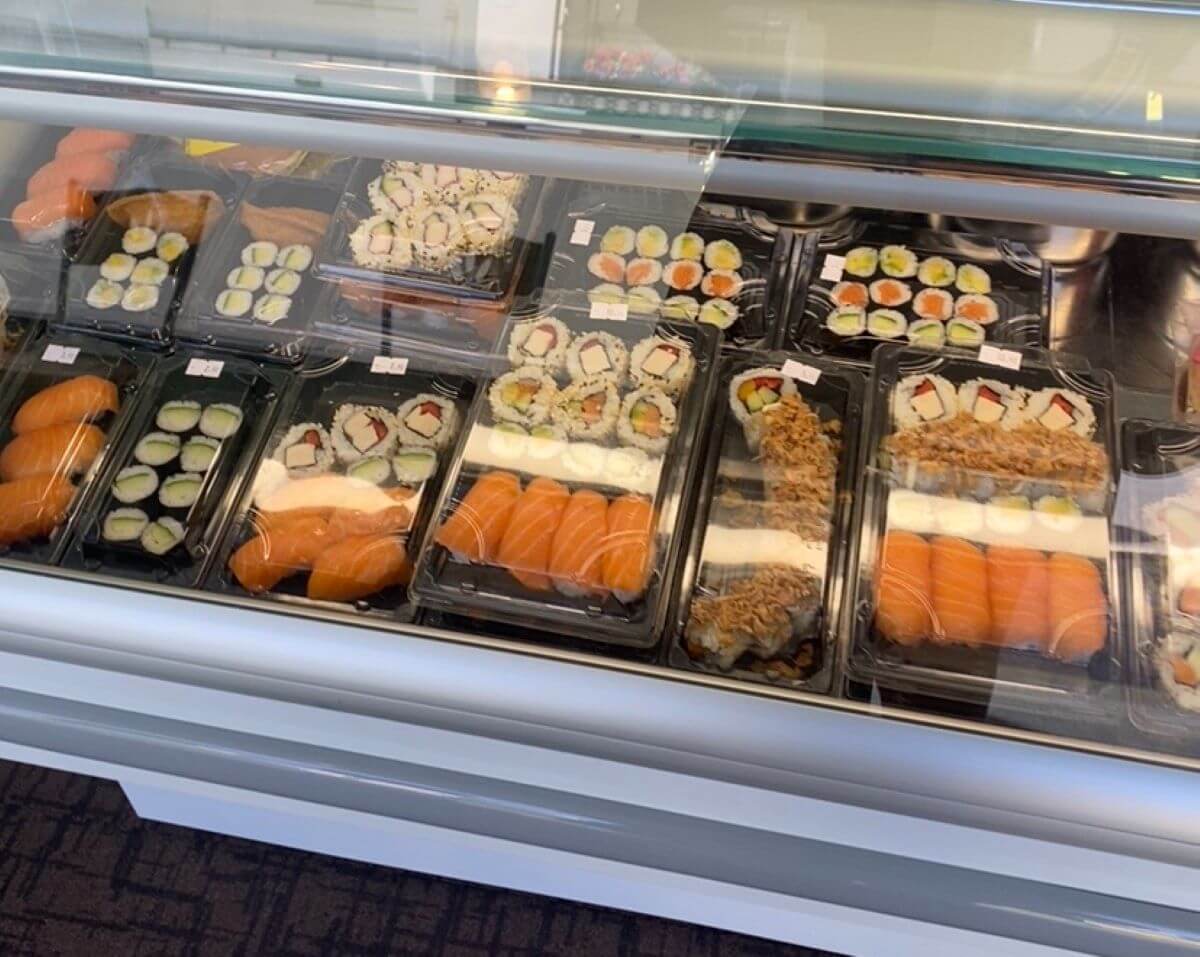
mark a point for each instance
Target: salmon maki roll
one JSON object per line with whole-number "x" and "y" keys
{"x": 74, "y": 400}
{"x": 904, "y": 600}
{"x": 91, "y": 171}
{"x": 1078, "y": 608}
{"x": 359, "y": 566}
{"x": 49, "y": 215}
{"x": 349, "y": 523}
{"x": 88, "y": 140}
{"x": 577, "y": 552}
{"x": 960, "y": 592}
{"x": 1018, "y": 589}
{"x": 627, "y": 547}
{"x": 66, "y": 449}
{"x": 283, "y": 549}
{"x": 474, "y": 531}
{"x": 33, "y": 507}
{"x": 525, "y": 548}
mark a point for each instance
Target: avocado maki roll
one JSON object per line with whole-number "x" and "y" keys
{"x": 688, "y": 246}
{"x": 973, "y": 280}
{"x": 862, "y": 261}
{"x": 936, "y": 271}
{"x": 899, "y": 262}
{"x": 721, "y": 254}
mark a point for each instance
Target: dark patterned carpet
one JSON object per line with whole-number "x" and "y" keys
{"x": 81, "y": 876}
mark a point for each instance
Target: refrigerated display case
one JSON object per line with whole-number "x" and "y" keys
{"x": 730, "y": 463}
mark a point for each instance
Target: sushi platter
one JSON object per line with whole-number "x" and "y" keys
{"x": 562, "y": 512}
{"x": 255, "y": 289}
{"x": 451, "y": 233}
{"x": 715, "y": 265}
{"x": 159, "y": 511}
{"x": 760, "y": 590}
{"x": 66, "y": 401}
{"x": 985, "y": 556}
{"x": 132, "y": 268}
{"x": 886, "y": 283}
{"x": 344, "y": 486}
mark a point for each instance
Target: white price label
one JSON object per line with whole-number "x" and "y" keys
{"x": 995, "y": 356}
{"x": 205, "y": 368}
{"x": 616, "y": 311}
{"x": 833, "y": 267}
{"x": 581, "y": 234}
{"x": 62, "y": 354}
{"x": 390, "y": 365}
{"x": 795, "y": 369}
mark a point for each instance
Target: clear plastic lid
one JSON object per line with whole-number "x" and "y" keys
{"x": 880, "y": 282}
{"x": 661, "y": 254}
{"x": 760, "y": 594}
{"x": 32, "y": 279}
{"x": 132, "y": 268}
{"x": 66, "y": 399}
{"x": 984, "y": 570}
{"x": 160, "y": 503}
{"x": 563, "y": 511}
{"x": 328, "y": 516}
{"x": 254, "y": 289}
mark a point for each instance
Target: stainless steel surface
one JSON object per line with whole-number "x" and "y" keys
{"x": 1061, "y": 245}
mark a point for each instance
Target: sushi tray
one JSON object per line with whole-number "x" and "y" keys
{"x": 985, "y": 561}
{"x": 254, "y": 289}
{"x": 454, "y": 234}
{"x": 717, "y": 265}
{"x": 64, "y": 404}
{"x": 561, "y": 513}
{"x": 132, "y": 268}
{"x": 30, "y": 282}
{"x": 759, "y": 595}
{"x": 158, "y": 511}
{"x": 885, "y": 283}
{"x": 329, "y": 517}
{"x": 1158, "y": 530}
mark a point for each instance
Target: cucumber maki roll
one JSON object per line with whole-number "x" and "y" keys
{"x": 887, "y": 324}
{"x": 260, "y": 254}
{"x": 220, "y": 420}
{"x": 180, "y": 415}
{"x": 379, "y": 243}
{"x": 523, "y": 396}
{"x": 104, "y": 294}
{"x": 134, "y": 483}
{"x": 507, "y": 440}
{"x": 118, "y": 267}
{"x": 272, "y": 309}
{"x": 685, "y": 308}
{"x": 156, "y": 448}
{"x": 647, "y": 419}
{"x": 139, "y": 240}
{"x": 587, "y": 409}
{"x": 899, "y": 262}
{"x": 926, "y": 332}
{"x": 413, "y": 465}
{"x": 150, "y": 272}
{"x": 597, "y": 354}
{"x": 719, "y": 312}
{"x": 234, "y": 303}
{"x": 198, "y": 453}
{"x": 428, "y": 420}
{"x": 666, "y": 363}
{"x": 375, "y": 469}
{"x": 620, "y": 240}
{"x": 936, "y": 271}
{"x": 160, "y": 536}
{"x": 643, "y": 300}
{"x": 722, "y": 255}
{"x": 249, "y": 278}
{"x": 282, "y": 282}
{"x": 965, "y": 333}
{"x": 305, "y": 449}
{"x": 652, "y": 242}
{"x": 972, "y": 280}
{"x": 360, "y": 431}
{"x": 846, "y": 321}
{"x": 171, "y": 246}
{"x": 688, "y": 246}
{"x": 862, "y": 261}
{"x": 296, "y": 257}
{"x": 124, "y": 525}
{"x": 607, "y": 293}
{"x": 140, "y": 298}
{"x": 181, "y": 490}
{"x": 539, "y": 342}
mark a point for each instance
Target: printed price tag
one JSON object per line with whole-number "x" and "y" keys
{"x": 63, "y": 354}
{"x": 204, "y": 368}
{"x": 995, "y": 356}
{"x": 390, "y": 365}
{"x": 581, "y": 234}
{"x": 616, "y": 311}
{"x": 795, "y": 369}
{"x": 833, "y": 267}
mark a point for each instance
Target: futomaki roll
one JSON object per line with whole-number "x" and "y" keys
{"x": 992, "y": 402}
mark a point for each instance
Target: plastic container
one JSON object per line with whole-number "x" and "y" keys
{"x": 33, "y": 280}
{"x": 106, "y": 237}
{"x": 1160, "y": 569}
{"x": 211, "y": 445}
{"x": 760, "y": 592}
{"x": 54, "y": 444}
{"x": 762, "y": 280}
{"x": 626, "y": 493}
{"x": 944, "y": 606}
{"x": 284, "y": 340}
{"x": 1021, "y": 289}
{"x": 349, "y": 537}
{"x": 469, "y": 278}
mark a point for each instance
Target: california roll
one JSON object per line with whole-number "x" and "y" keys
{"x": 362, "y": 430}
{"x": 666, "y": 363}
{"x": 597, "y": 354}
{"x": 539, "y": 342}
{"x": 523, "y": 396}
{"x": 587, "y": 409}
{"x": 427, "y": 419}
{"x": 647, "y": 419}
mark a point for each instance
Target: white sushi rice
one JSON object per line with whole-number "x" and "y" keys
{"x": 124, "y": 525}
{"x": 178, "y": 416}
{"x": 597, "y": 354}
{"x": 631, "y": 432}
{"x": 160, "y": 536}
{"x": 584, "y": 459}
{"x": 139, "y": 240}
{"x": 355, "y": 432}
{"x": 428, "y": 420}
{"x": 140, "y": 298}
{"x": 539, "y": 342}
{"x": 234, "y": 303}
{"x": 907, "y": 415}
{"x": 198, "y": 453}
{"x": 546, "y": 442}
{"x": 507, "y": 440}
{"x": 305, "y": 449}
{"x": 104, "y": 294}
{"x": 662, "y": 362}
{"x": 134, "y": 483}
{"x": 181, "y": 490}
{"x": 220, "y": 420}
{"x": 535, "y": 389}
{"x": 260, "y": 254}
{"x": 156, "y": 448}
{"x": 568, "y": 409}
{"x": 118, "y": 267}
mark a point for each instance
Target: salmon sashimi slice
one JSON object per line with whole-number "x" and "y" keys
{"x": 49, "y": 215}
{"x": 576, "y": 554}
{"x": 33, "y": 507}
{"x": 66, "y": 449}
{"x": 74, "y": 400}
{"x": 86, "y": 139}
{"x": 627, "y": 547}
{"x": 283, "y": 549}
{"x": 475, "y": 529}
{"x": 1018, "y": 590}
{"x": 525, "y": 548}
{"x": 960, "y": 592}
{"x": 357, "y": 567}
{"x": 91, "y": 171}
{"x": 349, "y": 523}
{"x": 904, "y": 602}
{"x": 1078, "y": 608}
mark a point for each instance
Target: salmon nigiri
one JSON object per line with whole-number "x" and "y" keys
{"x": 89, "y": 140}
{"x": 95, "y": 172}
{"x": 525, "y": 548}
{"x": 33, "y": 507}
{"x": 576, "y": 554}
{"x": 1078, "y": 608}
{"x": 350, "y": 523}
{"x": 286, "y": 547}
{"x": 68, "y": 449}
{"x": 474, "y": 531}
{"x": 627, "y": 547}
{"x": 359, "y": 566}
{"x": 1018, "y": 587}
{"x": 904, "y": 600}
{"x": 960, "y": 592}
{"x": 74, "y": 400}
{"x": 49, "y": 215}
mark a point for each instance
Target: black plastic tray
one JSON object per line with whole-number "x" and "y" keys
{"x": 30, "y": 373}
{"x": 255, "y": 390}
{"x": 1022, "y": 288}
{"x": 34, "y": 277}
{"x": 199, "y": 321}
